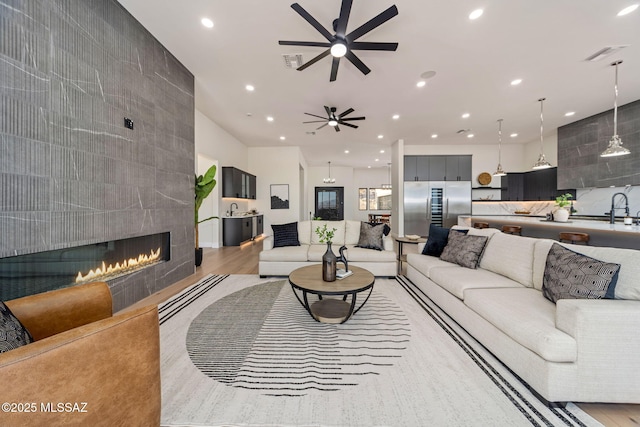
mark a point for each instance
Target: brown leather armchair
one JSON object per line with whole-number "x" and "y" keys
{"x": 86, "y": 367}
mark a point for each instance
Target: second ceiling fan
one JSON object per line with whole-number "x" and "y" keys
{"x": 340, "y": 43}
{"x": 334, "y": 120}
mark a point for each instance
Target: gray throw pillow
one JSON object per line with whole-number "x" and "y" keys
{"x": 12, "y": 333}
{"x": 463, "y": 249}
{"x": 569, "y": 274}
{"x": 371, "y": 236}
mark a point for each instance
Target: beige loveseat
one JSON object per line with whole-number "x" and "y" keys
{"x": 283, "y": 260}
{"x": 583, "y": 350}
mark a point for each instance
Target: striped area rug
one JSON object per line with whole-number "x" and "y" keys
{"x": 241, "y": 351}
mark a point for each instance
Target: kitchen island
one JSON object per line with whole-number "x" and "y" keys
{"x": 600, "y": 231}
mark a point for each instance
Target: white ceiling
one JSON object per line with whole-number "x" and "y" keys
{"x": 544, "y": 43}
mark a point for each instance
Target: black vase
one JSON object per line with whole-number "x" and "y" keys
{"x": 329, "y": 265}
{"x": 198, "y": 257}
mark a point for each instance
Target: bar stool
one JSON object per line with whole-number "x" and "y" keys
{"x": 512, "y": 229}
{"x": 480, "y": 225}
{"x": 573, "y": 237}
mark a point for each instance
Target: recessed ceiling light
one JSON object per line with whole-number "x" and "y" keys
{"x": 250, "y": 88}
{"x": 381, "y": 151}
{"x": 466, "y": 115}
{"x": 470, "y": 135}
{"x": 421, "y": 83}
{"x": 269, "y": 118}
{"x": 207, "y": 22}
{"x": 282, "y": 138}
{"x": 395, "y": 116}
{"x": 434, "y": 135}
{"x": 476, "y": 14}
{"x": 627, "y": 10}
{"x": 513, "y": 135}
{"x": 516, "y": 82}
{"x": 346, "y": 151}
{"x": 380, "y": 136}
{"x": 377, "y": 160}
{"x": 368, "y": 167}
{"x": 569, "y": 114}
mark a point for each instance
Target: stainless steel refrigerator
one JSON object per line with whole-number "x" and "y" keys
{"x": 437, "y": 202}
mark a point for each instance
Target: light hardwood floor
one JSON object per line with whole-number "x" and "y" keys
{"x": 244, "y": 260}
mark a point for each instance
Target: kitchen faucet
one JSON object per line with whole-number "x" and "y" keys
{"x": 612, "y": 212}
{"x": 231, "y": 208}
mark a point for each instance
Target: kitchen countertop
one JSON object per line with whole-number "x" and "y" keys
{"x": 243, "y": 215}
{"x": 594, "y": 224}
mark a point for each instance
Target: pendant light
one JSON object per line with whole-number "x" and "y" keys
{"x": 329, "y": 180}
{"x": 499, "y": 171}
{"x": 615, "y": 147}
{"x": 542, "y": 161}
{"x": 388, "y": 185}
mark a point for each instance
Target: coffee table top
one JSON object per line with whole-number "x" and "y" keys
{"x": 309, "y": 278}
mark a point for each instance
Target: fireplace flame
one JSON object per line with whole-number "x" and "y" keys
{"x": 131, "y": 264}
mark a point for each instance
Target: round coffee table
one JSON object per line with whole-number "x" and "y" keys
{"x": 308, "y": 280}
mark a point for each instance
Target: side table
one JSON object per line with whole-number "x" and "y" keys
{"x": 401, "y": 241}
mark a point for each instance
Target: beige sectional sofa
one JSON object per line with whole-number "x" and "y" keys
{"x": 283, "y": 260}
{"x": 582, "y": 350}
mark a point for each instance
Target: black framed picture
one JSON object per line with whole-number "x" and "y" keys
{"x": 279, "y": 196}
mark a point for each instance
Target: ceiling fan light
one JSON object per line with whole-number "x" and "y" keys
{"x": 333, "y": 122}
{"x": 338, "y": 49}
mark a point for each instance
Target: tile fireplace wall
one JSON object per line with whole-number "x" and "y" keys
{"x": 70, "y": 172}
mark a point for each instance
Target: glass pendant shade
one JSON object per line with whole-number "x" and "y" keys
{"x": 329, "y": 180}
{"x": 615, "y": 147}
{"x": 542, "y": 162}
{"x": 499, "y": 171}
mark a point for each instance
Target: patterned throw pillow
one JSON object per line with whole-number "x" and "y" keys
{"x": 371, "y": 236}
{"x": 463, "y": 249}
{"x": 437, "y": 240}
{"x": 12, "y": 333}
{"x": 285, "y": 235}
{"x": 569, "y": 274}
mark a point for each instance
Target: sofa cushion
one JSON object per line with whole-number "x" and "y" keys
{"x": 338, "y": 235}
{"x": 437, "y": 240}
{"x": 304, "y": 232}
{"x": 457, "y": 280}
{"x": 286, "y": 254}
{"x": 424, "y": 264}
{"x": 316, "y": 252}
{"x": 464, "y": 250}
{"x": 525, "y": 316}
{"x": 371, "y": 236}
{"x": 352, "y": 232}
{"x": 12, "y": 333}
{"x": 569, "y": 274}
{"x": 511, "y": 256}
{"x": 357, "y": 254}
{"x": 285, "y": 235}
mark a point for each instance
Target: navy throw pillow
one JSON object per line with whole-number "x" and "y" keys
{"x": 285, "y": 235}
{"x": 437, "y": 240}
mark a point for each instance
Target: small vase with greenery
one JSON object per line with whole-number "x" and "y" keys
{"x": 204, "y": 185}
{"x": 562, "y": 214}
{"x": 329, "y": 259}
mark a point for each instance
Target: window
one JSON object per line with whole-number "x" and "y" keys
{"x": 362, "y": 199}
{"x": 379, "y": 199}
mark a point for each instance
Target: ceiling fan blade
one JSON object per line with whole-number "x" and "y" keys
{"x": 320, "y": 117}
{"x": 296, "y": 43}
{"x": 326, "y": 124}
{"x": 314, "y": 60}
{"x": 345, "y": 112}
{"x": 337, "y": 128}
{"x": 373, "y": 46}
{"x": 316, "y": 121}
{"x": 334, "y": 69}
{"x": 356, "y": 61}
{"x": 311, "y": 20}
{"x": 371, "y": 24}
{"x": 328, "y": 110}
{"x": 353, "y": 118}
{"x": 350, "y": 125}
{"x": 345, "y": 10}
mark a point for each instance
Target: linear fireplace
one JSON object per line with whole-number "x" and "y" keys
{"x": 44, "y": 271}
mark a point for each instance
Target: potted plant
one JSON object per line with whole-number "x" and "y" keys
{"x": 562, "y": 213}
{"x": 204, "y": 184}
{"x": 329, "y": 259}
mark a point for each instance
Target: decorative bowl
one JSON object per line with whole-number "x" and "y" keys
{"x": 412, "y": 236}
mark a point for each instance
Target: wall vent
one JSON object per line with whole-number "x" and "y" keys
{"x": 604, "y": 52}
{"x": 293, "y": 61}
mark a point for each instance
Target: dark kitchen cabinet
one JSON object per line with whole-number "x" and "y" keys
{"x": 458, "y": 168}
{"x": 416, "y": 168}
{"x": 238, "y": 184}
{"x": 513, "y": 186}
{"x": 530, "y": 186}
{"x": 437, "y": 168}
{"x": 236, "y": 230}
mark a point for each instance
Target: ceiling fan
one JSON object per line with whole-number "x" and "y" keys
{"x": 341, "y": 44}
{"x": 334, "y": 120}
